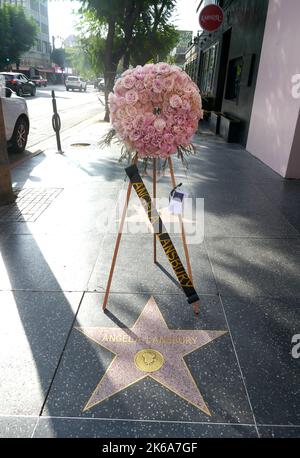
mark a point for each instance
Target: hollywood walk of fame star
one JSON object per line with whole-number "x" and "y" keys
{"x": 149, "y": 349}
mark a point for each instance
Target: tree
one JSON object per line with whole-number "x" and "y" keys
{"x": 77, "y": 59}
{"x": 17, "y": 34}
{"x": 58, "y": 57}
{"x": 151, "y": 43}
{"x": 120, "y": 20}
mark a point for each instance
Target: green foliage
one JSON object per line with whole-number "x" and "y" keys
{"x": 133, "y": 30}
{"x": 58, "y": 57}
{"x": 17, "y": 34}
{"x": 77, "y": 58}
{"x": 153, "y": 45}
{"x": 151, "y": 36}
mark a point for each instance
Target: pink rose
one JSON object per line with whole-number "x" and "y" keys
{"x": 157, "y": 85}
{"x": 139, "y": 85}
{"x": 134, "y": 135}
{"x": 131, "y": 110}
{"x": 168, "y": 138}
{"x": 120, "y": 101}
{"x": 127, "y": 72}
{"x": 139, "y": 122}
{"x": 168, "y": 83}
{"x": 150, "y": 131}
{"x": 175, "y": 101}
{"x": 139, "y": 73}
{"x": 131, "y": 97}
{"x": 148, "y": 81}
{"x": 159, "y": 124}
{"x": 186, "y": 105}
{"x": 129, "y": 81}
{"x": 163, "y": 68}
{"x": 144, "y": 96}
{"x": 149, "y": 118}
{"x": 157, "y": 140}
{"x": 156, "y": 98}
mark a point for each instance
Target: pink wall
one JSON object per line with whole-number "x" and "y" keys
{"x": 274, "y": 135}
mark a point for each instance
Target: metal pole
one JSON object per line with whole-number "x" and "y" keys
{"x": 56, "y": 123}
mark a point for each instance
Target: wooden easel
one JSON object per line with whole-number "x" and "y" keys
{"x": 119, "y": 236}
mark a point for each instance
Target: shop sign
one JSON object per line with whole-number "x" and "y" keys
{"x": 211, "y": 18}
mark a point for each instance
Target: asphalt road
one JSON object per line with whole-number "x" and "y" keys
{"x": 73, "y": 108}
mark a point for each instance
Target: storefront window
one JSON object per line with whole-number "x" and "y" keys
{"x": 234, "y": 77}
{"x": 208, "y": 69}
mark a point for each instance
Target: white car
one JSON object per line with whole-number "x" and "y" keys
{"x": 16, "y": 120}
{"x": 75, "y": 82}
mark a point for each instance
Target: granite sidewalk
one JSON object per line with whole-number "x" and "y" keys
{"x": 56, "y": 248}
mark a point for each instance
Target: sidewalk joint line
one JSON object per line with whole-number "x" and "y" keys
{"x": 239, "y": 365}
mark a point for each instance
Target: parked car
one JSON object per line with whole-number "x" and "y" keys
{"x": 99, "y": 84}
{"x": 39, "y": 81}
{"x": 16, "y": 120}
{"x": 19, "y": 83}
{"x": 75, "y": 82}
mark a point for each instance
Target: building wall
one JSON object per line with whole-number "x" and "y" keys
{"x": 39, "y": 54}
{"x": 248, "y": 23}
{"x": 274, "y": 134}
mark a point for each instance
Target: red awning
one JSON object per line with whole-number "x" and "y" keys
{"x": 21, "y": 69}
{"x": 45, "y": 70}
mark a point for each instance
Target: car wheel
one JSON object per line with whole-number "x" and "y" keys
{"x": 19, "y": 137}
{"x": 20, "y": 92}
{"x": 80, "y": 88}
{"x": 67, "y": 88}
{"x": 33, "y": 91}
{"x": 85, "y": 89}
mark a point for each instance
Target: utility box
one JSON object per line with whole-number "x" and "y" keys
{"x": 230, "y": 128}
{"x": 214, "y": 123}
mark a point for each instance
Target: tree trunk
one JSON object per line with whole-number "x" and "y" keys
{"x": 126, "y": 60}
{"x": 109, "y": 74}
{"x": 6, "y": 193}
{"x": 109, "y": 77}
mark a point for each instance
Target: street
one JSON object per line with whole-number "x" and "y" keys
{"x": 73, "y": 108}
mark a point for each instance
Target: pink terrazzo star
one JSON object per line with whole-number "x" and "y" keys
{"x": 150, "y": 331}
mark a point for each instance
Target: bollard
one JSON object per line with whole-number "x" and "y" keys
{"x": 56, "y": 124}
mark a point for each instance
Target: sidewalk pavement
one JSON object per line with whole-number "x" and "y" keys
{"x": 56, "y": 249}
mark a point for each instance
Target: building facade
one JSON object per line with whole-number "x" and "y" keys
{"x": 249, "y": 69}
{"x": 185, "y": 38}
{"x": 38, "y": 57}
{"x": 225, "y": 63}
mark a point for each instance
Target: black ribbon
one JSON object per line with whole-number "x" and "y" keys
{"x": 162, "y": 234}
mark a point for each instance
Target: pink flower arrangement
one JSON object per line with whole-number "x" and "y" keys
{"x": 155, "y": 109}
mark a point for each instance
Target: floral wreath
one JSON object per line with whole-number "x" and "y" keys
{"x": 154, "y": 111}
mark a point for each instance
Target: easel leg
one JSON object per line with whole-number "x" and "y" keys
{"x": 154, "y": 198}
{"x": 117, "y": 245}
{"x": 183, "y": 237}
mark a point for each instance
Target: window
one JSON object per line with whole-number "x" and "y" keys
{"x": 34, "y": 5}
{"x": 208, "y": 69}
{"x": 45, "y": 47}
{"x": 44, "y": 28}
{"x": 44, "y": 11}
{"x": 39, "y": 45}
{"x": 234, "y": 77}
